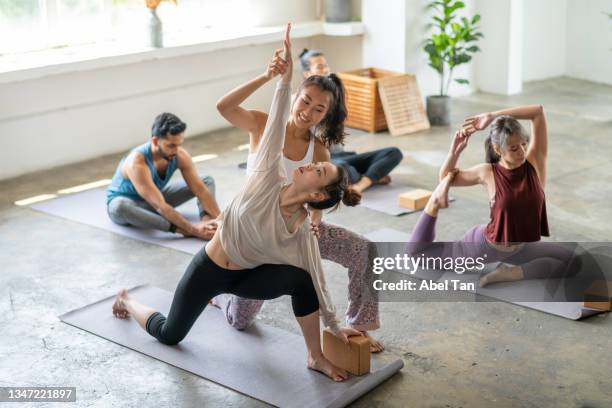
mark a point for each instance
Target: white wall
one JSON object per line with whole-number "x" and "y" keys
{"x": 342, "y": 53}
{"x": 499, "y": 66}
{"x": 589, "y": 40}
{"x": 67, "y": 118}
{"x": 544, "y": 39}
{"x": 278, "y": 12}
{"x": 394, "y": 40}
{"x": 384, "y": 42}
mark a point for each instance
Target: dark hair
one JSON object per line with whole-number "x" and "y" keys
{"x": 501, "y": 129}
{"x": 167, "y": 123}
{"x": 305, "y": 57}
{"x": 336, "y": 191}
{"x": 331, "y": 129}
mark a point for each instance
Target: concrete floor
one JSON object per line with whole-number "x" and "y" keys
{"x": 456, "y": 354}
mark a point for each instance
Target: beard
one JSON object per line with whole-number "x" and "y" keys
{"x": 166, "y": 156}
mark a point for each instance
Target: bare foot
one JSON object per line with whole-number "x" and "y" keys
{"x": 119, "y": 308}
{"x": 376, "y": 346}
{"x": 503, "y": 273}
{"x": 439, "y": 197}
{"x": 384, "y": 180}
{"x": 363, "y": 184}
{"x": 324, "y": 366}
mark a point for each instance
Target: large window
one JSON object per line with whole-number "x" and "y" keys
{"x": 28, "y": 25}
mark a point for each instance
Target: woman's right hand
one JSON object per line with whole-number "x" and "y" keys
{"x": 460, "y": 142}
{"x": 276, "y": 66}
{"x": 281, "y": 63}
{"x": 287, "y": 55}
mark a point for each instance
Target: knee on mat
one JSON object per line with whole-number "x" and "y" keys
{"x": 240, "y": 324}
{"x": 155, "y": 327}
{"x": 120, "y": 206}
{"x": 170, "y": 340}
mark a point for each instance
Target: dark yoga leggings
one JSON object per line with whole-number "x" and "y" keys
{"x": 204, "y": 280}
{"x": 375, "y": 164}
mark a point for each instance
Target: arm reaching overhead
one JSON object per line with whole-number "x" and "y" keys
{"x": 273, "y": 138}
{"x": 229, "y": 105}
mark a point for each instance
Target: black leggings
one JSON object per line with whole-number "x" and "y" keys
{"x": 204, "y": 280}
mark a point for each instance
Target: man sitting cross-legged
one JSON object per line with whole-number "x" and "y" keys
{"x": 140, "y": 193}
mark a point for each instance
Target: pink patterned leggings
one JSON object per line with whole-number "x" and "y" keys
{"x": 343, "y": 247}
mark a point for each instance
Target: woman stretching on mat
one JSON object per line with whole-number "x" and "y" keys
{"x": 317, "y": 109}
{"x": 263, "y": 248}
{"x": 514, "y": 176}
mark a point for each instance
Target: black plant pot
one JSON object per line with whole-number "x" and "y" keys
{"x": 438, "y": 110}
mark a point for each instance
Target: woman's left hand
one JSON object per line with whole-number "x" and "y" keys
{"x": 478, "y": 122}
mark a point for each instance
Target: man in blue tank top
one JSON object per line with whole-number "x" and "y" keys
{"x": 141, "y": 194}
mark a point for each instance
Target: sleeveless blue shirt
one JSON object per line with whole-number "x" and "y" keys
{"x": 120, "y": 186}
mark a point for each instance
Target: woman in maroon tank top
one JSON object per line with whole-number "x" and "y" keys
{"x": 514, "y": 177}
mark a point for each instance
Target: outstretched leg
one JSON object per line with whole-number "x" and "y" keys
{"x": 200, "y": 282}
{"x": 535, "y": 260}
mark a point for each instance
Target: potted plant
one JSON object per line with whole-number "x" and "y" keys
{"x": 451, "y": 44}
{"x": 155, "y": 24}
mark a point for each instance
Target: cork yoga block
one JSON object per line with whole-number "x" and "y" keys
{"x": 599, "y": 296}
{"x": 415, "y": 199}
{"x": 354, "y": 358}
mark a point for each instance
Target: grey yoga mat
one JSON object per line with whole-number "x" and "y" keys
{"x": 263, "y": 362}
{"x": 507, "y": 291}
{"x": 89, "y": 207}
{"x": 385, "y": 198}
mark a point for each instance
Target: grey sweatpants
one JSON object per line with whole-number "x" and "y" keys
{"x": 138, "y": 213}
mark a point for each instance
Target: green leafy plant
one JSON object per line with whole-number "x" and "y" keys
{"x": 452, "y": 41}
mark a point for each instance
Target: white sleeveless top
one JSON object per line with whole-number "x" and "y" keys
{"x": 290, "y": 165}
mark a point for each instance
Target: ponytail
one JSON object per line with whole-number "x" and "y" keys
{"x": 490, "y": 155}
{"x": 351, "y": 197}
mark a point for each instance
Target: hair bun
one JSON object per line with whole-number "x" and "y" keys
{"x": 351, "y": 197}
